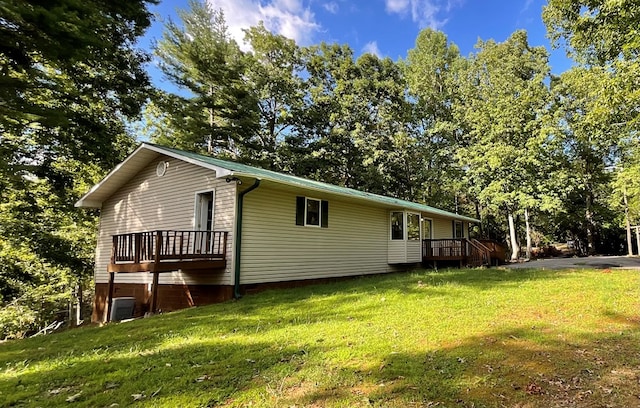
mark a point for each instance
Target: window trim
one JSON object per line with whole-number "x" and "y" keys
{"x": 407, "y": 213}
{"x": 404, "y": 229}
{"x": 422, "y": 219}
{"x": 455, "y": 224}
{"x": 306, "y": 206}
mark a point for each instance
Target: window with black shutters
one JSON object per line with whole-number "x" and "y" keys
{"x": 312, "y": 212}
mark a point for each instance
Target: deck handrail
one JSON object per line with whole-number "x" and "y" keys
{"x": 161, "y": 245}
{"x": 470, "y": 251}
{"x": 449, "y": 247}
{"x": 479, "y": 254}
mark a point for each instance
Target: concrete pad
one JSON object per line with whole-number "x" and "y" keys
{"x": 591, "y": 262}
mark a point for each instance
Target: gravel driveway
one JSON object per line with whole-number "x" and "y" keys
{"x": 597, "y": 262}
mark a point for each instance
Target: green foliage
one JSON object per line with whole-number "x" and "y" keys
{"x": 215, "y": 112}
{"x": 431, "y": 70}
{"x": 70, "y": 77}
{"x": 595, "y": 31}
{"x": 275, "y": 64}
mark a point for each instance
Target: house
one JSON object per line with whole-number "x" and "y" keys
{"x": 179, "y": 229}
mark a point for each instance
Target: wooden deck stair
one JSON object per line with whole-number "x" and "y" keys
{"x": 468, "y": 252}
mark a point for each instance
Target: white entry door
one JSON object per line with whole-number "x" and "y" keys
{"x": 204, "y": 212}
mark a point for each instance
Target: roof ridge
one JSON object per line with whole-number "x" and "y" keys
{"x": 282, "y": 177}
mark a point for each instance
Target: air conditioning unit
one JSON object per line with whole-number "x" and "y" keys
{"x": 122, "y": 308}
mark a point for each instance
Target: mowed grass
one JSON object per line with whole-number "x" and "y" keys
{"x": 453, "y": 338}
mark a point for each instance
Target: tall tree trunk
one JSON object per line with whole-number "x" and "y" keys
{"x": 591, "y": 247}
{"x": 478, "y": 217}
{"x": 526, "y": 220}
{"x": 210, "y": 141}
{"x": 515, "y": 248}
{"x": 626, "y": 220}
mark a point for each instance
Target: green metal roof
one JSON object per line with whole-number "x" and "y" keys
{"x": 239, "y": 169}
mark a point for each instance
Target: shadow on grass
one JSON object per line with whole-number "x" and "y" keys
{"x": 195, "y": 357}
{"x": 522, "y": 367}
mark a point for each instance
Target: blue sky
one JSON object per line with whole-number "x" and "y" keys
{"x": 387, "y": 28}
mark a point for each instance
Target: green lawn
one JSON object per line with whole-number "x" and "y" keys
{"x": 454, "y": 338}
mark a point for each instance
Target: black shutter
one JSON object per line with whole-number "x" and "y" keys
{"x": 299, "y": 210}
{"x": 324, "y": 218}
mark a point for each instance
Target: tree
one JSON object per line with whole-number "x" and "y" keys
{"x": 70, "y": 77}
{"x": 585, "y": 121}
{"x": 325, "y": 121}
{"x": 502, "y": 96}
{"x": 595, "y": 31}
{"x": 604, "y": 104}
{"x": 215, "y": 112}
{"x": 273, "y": 73}
{"x": 431, "y": 71}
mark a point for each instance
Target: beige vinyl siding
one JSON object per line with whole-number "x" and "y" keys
{"x": 274, "y": 248}
{"x": 397, "y": 251}
{"x": 148, "y": 202}
{"x": 442, "y": 228}
{"x": 414, "y": 251}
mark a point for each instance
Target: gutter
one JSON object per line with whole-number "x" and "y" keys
{"x": 238, "y": 238}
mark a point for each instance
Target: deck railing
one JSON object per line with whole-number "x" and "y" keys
{"x": 444, "y": 248}
{"x": 151, "y": 246}
{"x": 479, "y": 254}
{"x": 472, "y": 252}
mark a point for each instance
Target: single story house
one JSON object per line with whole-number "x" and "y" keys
{"x": 179, "y": 229}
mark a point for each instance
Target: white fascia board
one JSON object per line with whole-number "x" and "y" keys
{"x": 85, "y": 201}
{"x": 220, "y": 171}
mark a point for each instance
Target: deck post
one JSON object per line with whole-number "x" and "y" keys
{"x": 137, "y": 247}
{"x": 154, "y": 292}
{"x": 110, "y": 296}
{"x": 156, "y": 261}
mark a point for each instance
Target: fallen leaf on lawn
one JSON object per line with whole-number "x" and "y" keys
{"x": 138, "y": 397}
{"x": 111, "y": 385}
{"x": 203, "y": 378}
{"x": 156, "y": 392}
{"x": 74, "y": 397}
{"x": 534, "y": 389}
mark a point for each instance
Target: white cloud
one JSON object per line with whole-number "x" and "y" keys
{"x": 526, "y": 6}
{"x": 397, "y": 6}
{"x": 331, "y": 7}
{"x": 427, "y": 13}
{"x": 372, "y": 48}
{"x": 290, "y": 18}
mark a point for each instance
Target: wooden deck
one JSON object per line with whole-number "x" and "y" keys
{"x": 467, "y": 252}
{"x": 165, "y": 251}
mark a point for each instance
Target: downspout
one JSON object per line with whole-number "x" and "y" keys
{"x": 238, "y": 238}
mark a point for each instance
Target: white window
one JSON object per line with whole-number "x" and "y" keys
{"x": 413, "y": 227}
{"x": 312, "y": 212}
{"x": 426, "y": 228}
{"x": 458, "y": 229}
{"x": 397, "y": 225}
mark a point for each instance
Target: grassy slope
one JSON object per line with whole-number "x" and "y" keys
{"x": 451, "y": 338}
